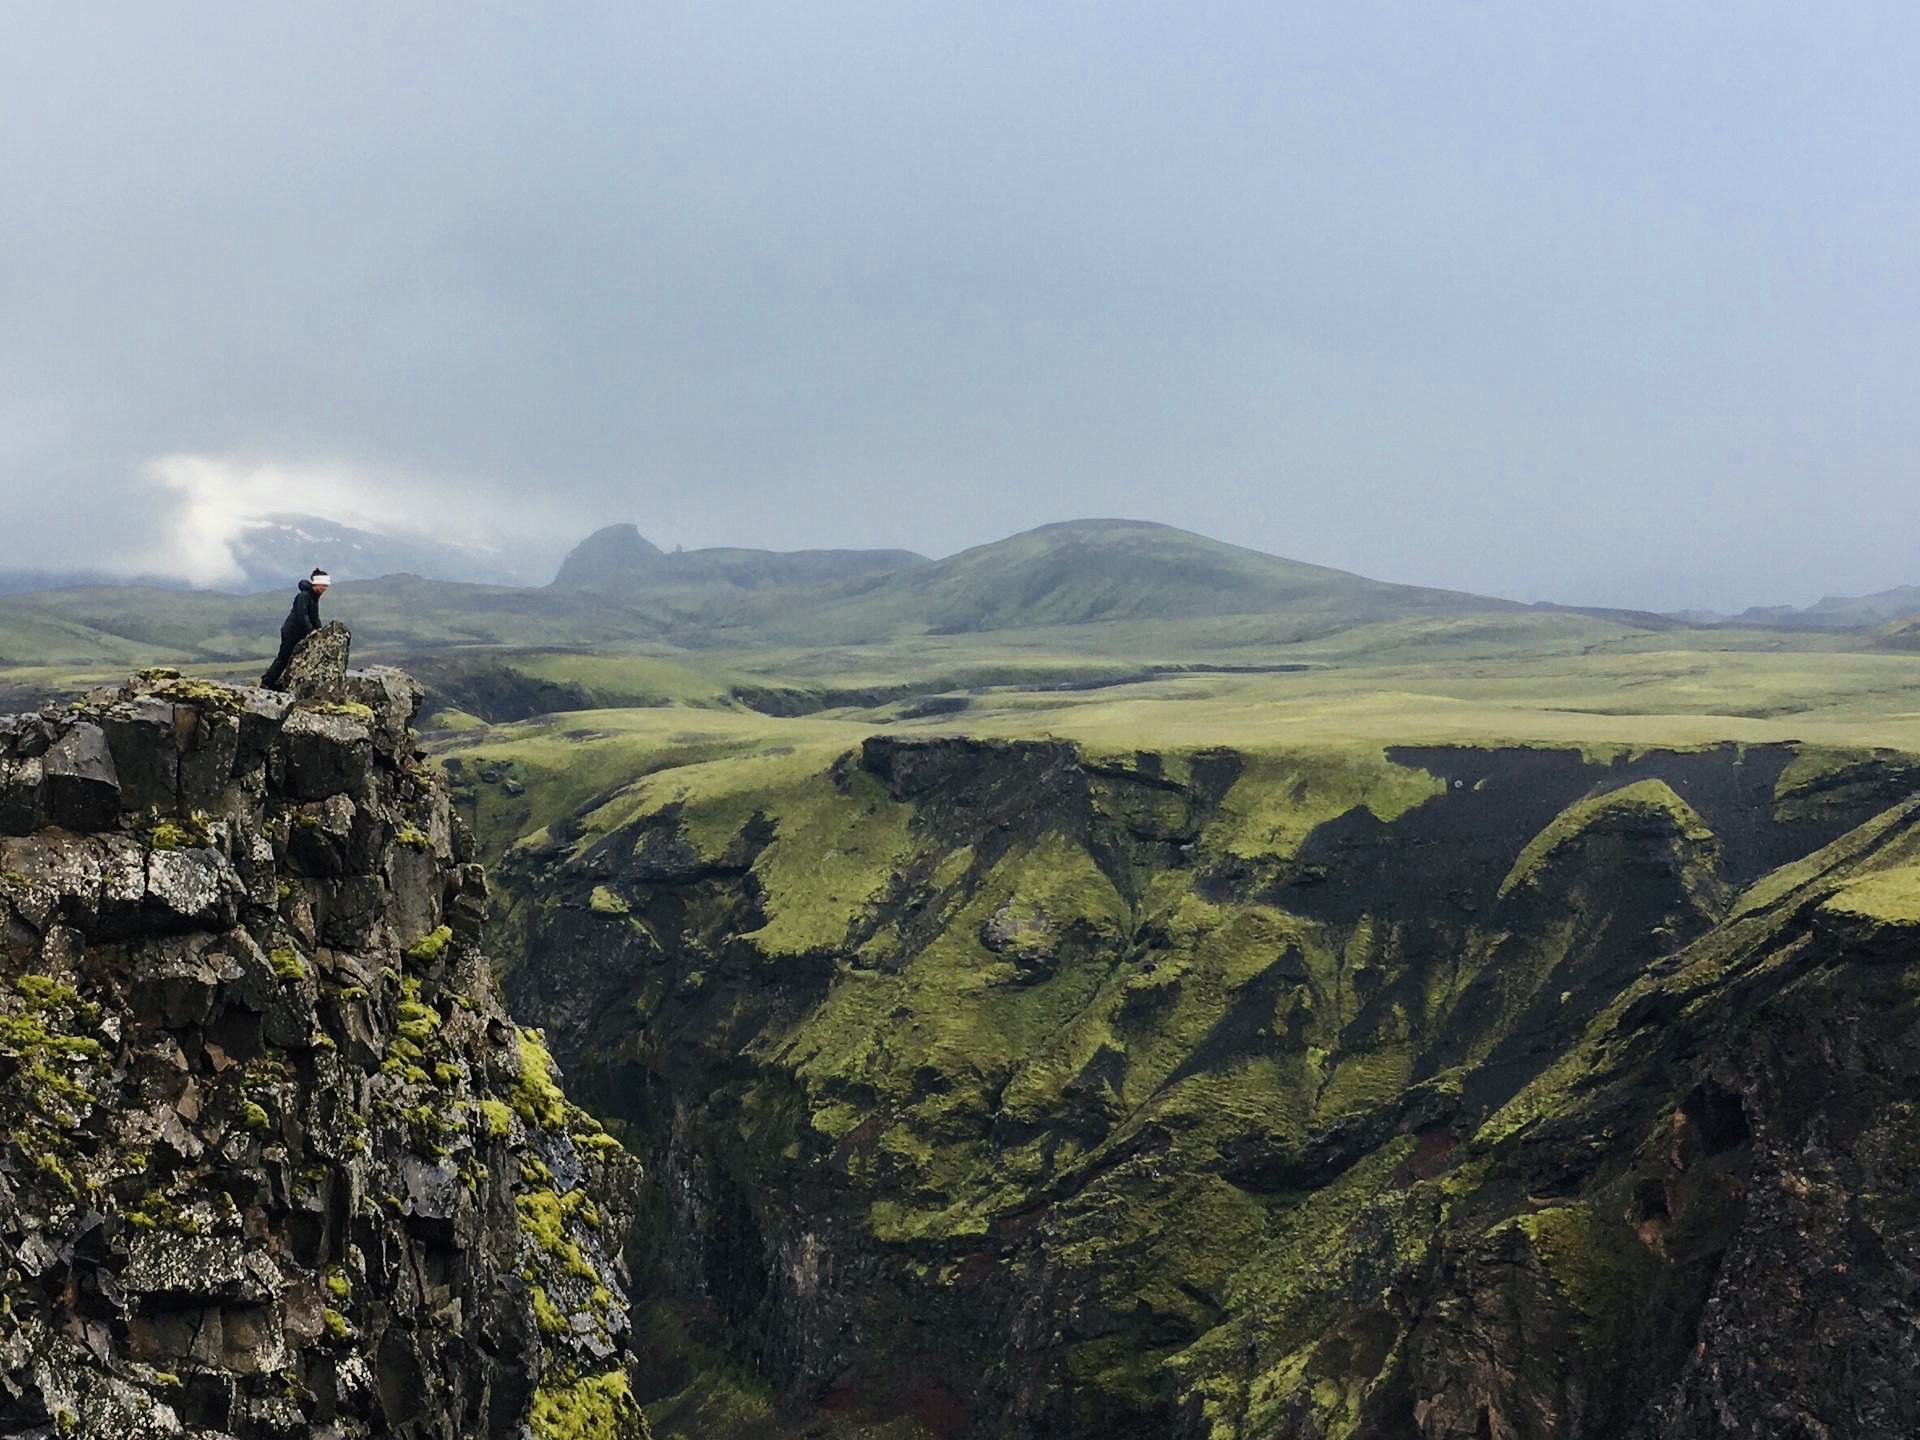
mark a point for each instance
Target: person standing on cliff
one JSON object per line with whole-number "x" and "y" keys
{"x": 301, "y": 622}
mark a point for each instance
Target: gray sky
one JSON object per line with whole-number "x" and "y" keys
{"x": 1601, "y": 303}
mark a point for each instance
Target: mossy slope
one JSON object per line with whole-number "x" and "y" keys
{"x": 1121, "y": 1092}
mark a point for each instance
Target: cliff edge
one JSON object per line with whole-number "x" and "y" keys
{"x": 276, "y": 1161}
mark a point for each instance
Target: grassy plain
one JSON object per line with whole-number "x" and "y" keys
{"x": 1624, "y": 697}
{"x": 1557, "y": 683}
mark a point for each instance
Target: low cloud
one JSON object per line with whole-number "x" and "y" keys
{"x": 204, "y": 504}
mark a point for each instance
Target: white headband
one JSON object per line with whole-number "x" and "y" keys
{"x": 321, "y": 579}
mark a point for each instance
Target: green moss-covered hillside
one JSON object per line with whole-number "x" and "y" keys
{"x": 1033, "y": 1087}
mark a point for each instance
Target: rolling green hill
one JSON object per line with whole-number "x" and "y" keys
{"x": 1124, "y": 570}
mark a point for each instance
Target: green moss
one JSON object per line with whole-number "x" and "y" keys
{"x": 429, "y": 948}
{"x": 414, "y": 838}
{"x": 158, "y": 1211}
{"x": 536, "y": 1098}
{"x": 57, "y": 1169}
{"x": 605, "y": 902}
{"x": 835, "y": 851}
{"x": 496, "y": 1118}
{"x": 1592, "y": 1267}
{"x": 597, "y": 1407}
{"x": 415, "y": 1021}
{"x": 56, "y": 1071}
{"x": 205, "y": 694}
{"x": 191, "y": 833}
{"x": 1886, "y": 897}
{"x": 543, "y": 1222}
{"x": 1644, "y": 799}
{"x": 402, "y": 1068}
{"x": 1281, "y": 798}
{"x": 546, "y": 1315}
{"x": 288, "y": 965}
{"x": 338, "y": 1285}
{"x": 353, "y": 709}
{"x": 429, "y": 1127}
{"x": 578, "y": 1205}
{"x": 337, "y": 1327}
{"x": 720, "y": 1398}
{"x": 837, "y": 1118}
{"x": 255, "y": 1116}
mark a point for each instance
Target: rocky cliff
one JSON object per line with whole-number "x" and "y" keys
{"x": 1006, "y": 1089}
{"x": 276, "y": 1161}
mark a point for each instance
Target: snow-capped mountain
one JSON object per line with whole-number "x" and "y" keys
{"x": 275, "y": 550}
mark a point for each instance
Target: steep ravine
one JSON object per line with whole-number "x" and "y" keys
{"x": 1003, "y": 1089}
{"x": 276, "y": 1161}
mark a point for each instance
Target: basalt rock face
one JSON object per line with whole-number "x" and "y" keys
{"x": 1003, "y": 1089}
{"x": 276, "y": 1161}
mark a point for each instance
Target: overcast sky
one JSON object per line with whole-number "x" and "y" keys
{"x": 1600, "y": 303}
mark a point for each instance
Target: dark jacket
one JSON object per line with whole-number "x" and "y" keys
{"x": 304, "y": 618}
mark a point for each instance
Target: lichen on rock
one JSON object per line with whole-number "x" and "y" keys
{"x": 270, "y": 1165}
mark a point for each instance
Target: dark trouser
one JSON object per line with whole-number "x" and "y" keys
{"x": 278, "y": 670}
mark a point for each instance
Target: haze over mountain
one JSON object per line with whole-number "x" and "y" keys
{"x": 619, "y": 555}
{"x": 275, "y": 550}
{"x": 1836, "y": 612}
{"x": 616, "y": 589}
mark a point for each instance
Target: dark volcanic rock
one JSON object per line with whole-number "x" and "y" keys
{"x": 319, "y": 668}
{"x": 276, "y": 1162}
{"x": 82, "y": 786}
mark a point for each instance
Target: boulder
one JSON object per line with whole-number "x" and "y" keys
{"x": 318, "y": 835}
{"x": 140, "y": 734}
{"x": 352, "y": 907}
{"x": 68, "y": 869}
{"x": 175, "y": 985}
{"x": 82, "y": 783}
{"x": 394, "y": 697}
{"x": 21, "y": 785}
{"x": 327, "y": 753}
{"x": 209, "y": 743}
{"x": 319, "y": 668}
{"x": 190, "y": 889}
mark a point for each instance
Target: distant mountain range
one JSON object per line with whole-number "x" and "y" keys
{"x": 1835, "y": 612}
{"x": 616, "y": 588}
{"x": 407, "y": 596}
{"x": 620, "y": 556}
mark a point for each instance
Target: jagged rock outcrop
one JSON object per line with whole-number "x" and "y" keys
{"x": 318, "y": 670}
{"x": 276, "y": 1161}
